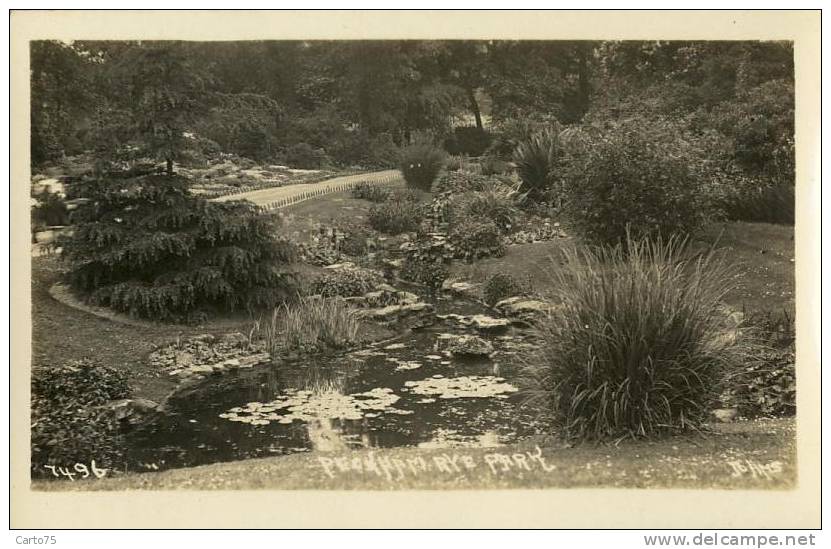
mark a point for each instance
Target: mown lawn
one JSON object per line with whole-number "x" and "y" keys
{"x": 761, "y": 252}
{"x": 745, "y": 455}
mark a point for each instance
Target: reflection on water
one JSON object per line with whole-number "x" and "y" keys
{"x": 361, "y": 400}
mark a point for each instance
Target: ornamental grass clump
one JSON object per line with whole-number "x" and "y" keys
{"x": 312, "y": 324}
{"x": 640, "y": 345}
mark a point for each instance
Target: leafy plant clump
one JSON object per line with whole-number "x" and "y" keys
{"x": 147, "y": 247}
{"x": 500, "y": 286}
{"x": 421, "y": 164}
{"x": 427, "y": 261}
{"x": 66, "y": 426}
{"x": 638, "y": 347}
{"x": 312, "y": 324}
{"x": 345, "y": 283}
{"x": 495, "y": 206}
{"x": 399, "y": 214}
{"x": 476, "y": 238}
{"x": 765, "y": 384}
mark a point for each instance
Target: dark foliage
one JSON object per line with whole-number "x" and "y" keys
{"x": 306, "y": 157}
{"x": 67, "y": 428}
{"x": 50, "y": 211}
{"x": 421, "y": 164}
{"x": 146, "y": 247}
{"x": 468, "y": 141}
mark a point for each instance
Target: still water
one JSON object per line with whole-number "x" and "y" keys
{"x": 409, "y": 392}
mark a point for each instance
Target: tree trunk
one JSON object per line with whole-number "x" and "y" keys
{"x": 474, "y": 107}
{"x": 583, "y": 80}
{"x": 169, "y": 169}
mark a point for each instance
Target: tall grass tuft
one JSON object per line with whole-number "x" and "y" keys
{"x": 310, "y": 325}
{"x": 640, "y": 344}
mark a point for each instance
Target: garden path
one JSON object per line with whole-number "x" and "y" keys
{"x": 277, "y": 197}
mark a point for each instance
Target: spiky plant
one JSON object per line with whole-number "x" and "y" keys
{"x": 536, "y": 160}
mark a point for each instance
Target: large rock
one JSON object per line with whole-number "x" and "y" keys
{"x": 470, "y": 345}
{"x": 131, "y": 411}
{"x": 523, "y": 309}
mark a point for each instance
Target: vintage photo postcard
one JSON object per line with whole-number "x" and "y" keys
{"x": 313, "y": 269}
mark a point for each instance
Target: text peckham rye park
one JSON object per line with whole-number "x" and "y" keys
{"x": 396, "y": 469}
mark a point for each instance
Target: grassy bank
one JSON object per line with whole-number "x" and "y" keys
{"x": 745, "y": 455}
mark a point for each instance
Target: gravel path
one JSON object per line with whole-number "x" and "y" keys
{"x": 278, "y": 197}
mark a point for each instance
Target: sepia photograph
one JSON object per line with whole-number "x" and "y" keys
{"x": 413, "y": 264}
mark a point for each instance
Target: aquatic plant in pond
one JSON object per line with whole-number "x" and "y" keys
{"x": 312, "y": 324}
{"x": 461, "y": 387}
{"x": 307, "y": 406}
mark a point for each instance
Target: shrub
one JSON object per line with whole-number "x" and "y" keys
{"x": 345, "y": 283}
{"x": 628, "y": 177}
{"x": 397, "y": 215}
{"x": 638, "y": 346}
{"x": 311, "y": 325}
{"x": 355, "y": 239}
{"x": 50, "y": 210}
{"x": 468, "y": 140}
{"x": 147, "y": 247}
{"x": 494, "y": 206}
{"x": 371, "y": 192}
{"x": 536, "y": 160}
{"x": 473, "y": 238}
{"x": 421, "y": 164}
{"x": 304, "y": 156}
{"x": 500, "y": 286}
{"x": 66, "y": 427}
{"x": 765, "y": 384}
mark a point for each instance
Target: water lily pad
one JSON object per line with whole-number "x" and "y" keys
{"x": 461, "y": 387}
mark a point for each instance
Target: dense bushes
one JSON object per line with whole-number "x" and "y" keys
{"x": 345, "y": 283}
{"x": 421, "y": 164}
{"x": 400, "y": 214}
{"x": 638, "y": 346}
{"x": 468, "y": 140}
{"x": 759, "y": 201}
{"x": 66, "y": 426}
{"x": 629, "y": 177}
{"x": 427, "y": 261}
{"x": 304, "y": 156}
{"x": 146, "y": 247}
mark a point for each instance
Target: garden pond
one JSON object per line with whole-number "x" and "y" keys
{"x": 410, "y": 391}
